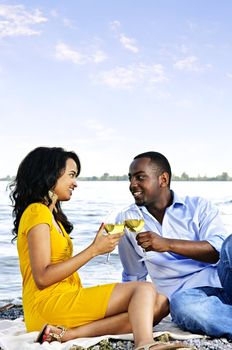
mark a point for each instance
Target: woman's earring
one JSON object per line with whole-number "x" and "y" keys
{"x": 51, "y": 195}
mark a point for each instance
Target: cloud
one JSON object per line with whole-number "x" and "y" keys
{"x": 99, "y": 56}
{"x": 229, "y": 75}
{"x": 101, "y": 132}
{"x": 128, "y": 43}
{"x": 115, "y": 25}
{"x": 69, "y": 23}
{"x": 15, "y": 20}
{"x": 128, "y": 77}
{"x": 192, "y": 64}
{"x": 64, "y": 52}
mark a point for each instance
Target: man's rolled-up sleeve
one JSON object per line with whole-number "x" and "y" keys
{"x": 212, "y": 228}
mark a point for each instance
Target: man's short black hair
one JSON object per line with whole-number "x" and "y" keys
{"x": 159, "y": 160}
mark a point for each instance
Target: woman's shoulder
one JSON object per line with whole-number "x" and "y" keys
{"x": 35, "y": 214}
{"x": 37, "y": 208}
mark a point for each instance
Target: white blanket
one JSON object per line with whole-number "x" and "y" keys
{"x": 13, "y": 336}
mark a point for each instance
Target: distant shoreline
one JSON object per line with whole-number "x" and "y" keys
{"x": 107, "y": 177}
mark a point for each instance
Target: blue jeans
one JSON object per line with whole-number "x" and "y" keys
{"x": 208, "y": 310}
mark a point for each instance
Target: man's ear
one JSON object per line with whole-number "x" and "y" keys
{"x": 164, "y": 179}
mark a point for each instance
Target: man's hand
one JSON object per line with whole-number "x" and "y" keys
{"x": 152, "y": 241}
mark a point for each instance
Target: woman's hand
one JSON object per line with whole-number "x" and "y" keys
{"x": 105, "y": 243}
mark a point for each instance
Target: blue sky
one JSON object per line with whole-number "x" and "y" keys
{"x": 111, "y": 79}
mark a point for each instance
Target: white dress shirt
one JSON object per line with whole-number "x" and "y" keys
{"x": 189, "y": 218}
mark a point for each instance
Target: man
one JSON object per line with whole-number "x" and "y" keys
{"x": 182, "y": 237}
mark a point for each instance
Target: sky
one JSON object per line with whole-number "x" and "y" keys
{"x": 110, "y": 79}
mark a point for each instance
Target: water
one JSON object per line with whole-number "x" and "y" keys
{"x": 88, "y": 207}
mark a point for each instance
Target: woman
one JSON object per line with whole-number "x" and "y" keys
{"x": 52, "y": 290}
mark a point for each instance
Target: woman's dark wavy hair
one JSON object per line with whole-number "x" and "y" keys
{"x": 37, "y": 174}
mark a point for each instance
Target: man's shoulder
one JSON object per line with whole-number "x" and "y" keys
{"x": 193, "y": 204}
{"x": 191, "y": 200}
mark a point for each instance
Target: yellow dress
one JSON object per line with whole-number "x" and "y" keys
{"x": 66, "y": 302}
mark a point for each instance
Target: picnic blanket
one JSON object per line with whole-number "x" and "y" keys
{"x": 13, "y": 336}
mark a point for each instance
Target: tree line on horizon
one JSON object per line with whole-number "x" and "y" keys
{"x": 107, "y": 177}
{"x": 183, "y": 177}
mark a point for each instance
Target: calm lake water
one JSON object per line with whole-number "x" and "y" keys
{"x": 89, "y": 205}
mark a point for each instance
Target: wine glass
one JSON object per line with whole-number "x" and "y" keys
{"x": 111, "y": 227}
{"x": 136, "y": 225}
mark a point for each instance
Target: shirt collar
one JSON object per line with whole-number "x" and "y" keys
{"x": 177, "y": 201}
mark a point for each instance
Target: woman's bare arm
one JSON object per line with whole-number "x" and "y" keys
{"x": 46, "y": 273}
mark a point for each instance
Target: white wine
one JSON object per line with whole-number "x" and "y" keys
{"x": 114, "y": 228}
{"x": 134, "y": 225}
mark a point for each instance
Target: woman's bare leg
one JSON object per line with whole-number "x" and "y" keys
{"x": 145, "y": 307}
{"x": 133, "y": 306}
{"x": 118, "y": 324}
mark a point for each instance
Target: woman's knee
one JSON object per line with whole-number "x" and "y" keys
{"x": 124, "y": 292}
{"x": 143, "y": 286}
